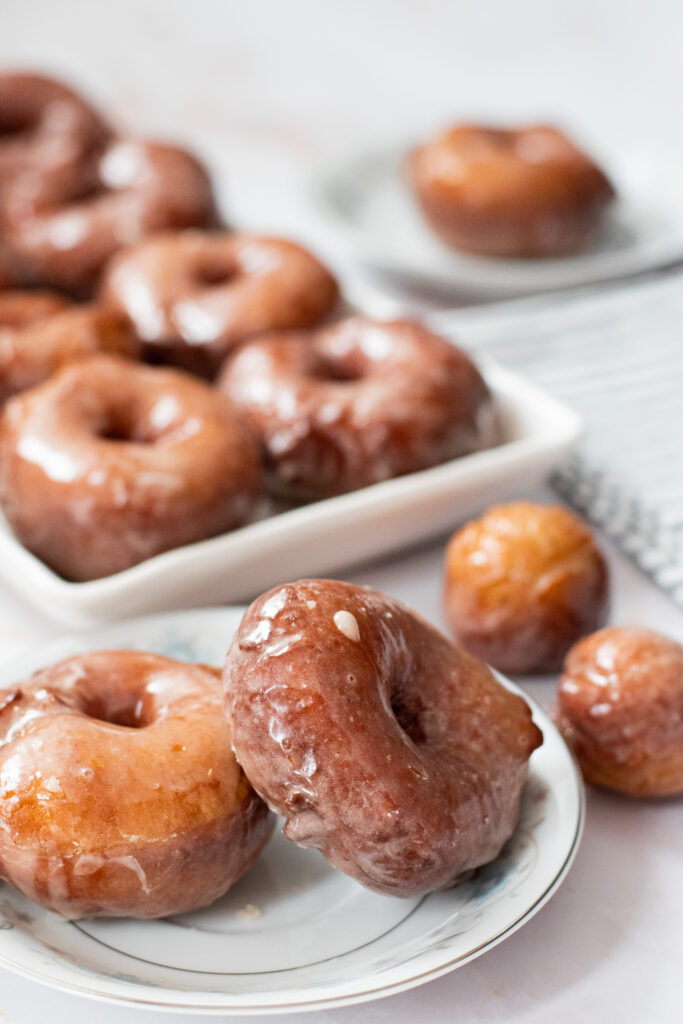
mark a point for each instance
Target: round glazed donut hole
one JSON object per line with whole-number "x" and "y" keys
{"x": 509, "y": 192}
{"x": 522, "y": 584}
{"x": 41, "y": 331}
{"x": 392, "y": 751}
{"x": 194, "y": 296}
{"x": 357, "y": 403}
{"x": 620, "y": 708}
{"x": 109, "y": 463}
{"x": 120, "y": 793}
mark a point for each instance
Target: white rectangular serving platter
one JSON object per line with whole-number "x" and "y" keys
{"x": 324, "y": 537}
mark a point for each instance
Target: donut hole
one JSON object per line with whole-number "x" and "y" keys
{"x": 118, "y": 425}
{"x": 212, "y": 273}
{"x": 14, "y": 124}
{"x": 337, "y": 371}
{"x": 408, "y": 711}
{"x": 86, "y": 190}
{"x": 130, "y": 713}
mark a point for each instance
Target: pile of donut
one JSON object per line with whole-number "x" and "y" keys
{"x": 114, "y": 259}
{"x": 135, "y": 785}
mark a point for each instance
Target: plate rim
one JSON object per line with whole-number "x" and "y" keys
{"x": 47, "y": 652}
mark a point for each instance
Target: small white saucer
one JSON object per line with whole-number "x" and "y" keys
{"x": 366, "y": 200}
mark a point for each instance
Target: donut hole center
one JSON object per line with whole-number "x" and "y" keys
{"x": 212, "y": 273}
{"x": 338, "y": 371}
{"x": 129, "y": 714}
{"x": 15, "y": 126}
{"x": 119, "y": 426}
{"x": 87, "y": 192}
{"x": 408, "y": 711}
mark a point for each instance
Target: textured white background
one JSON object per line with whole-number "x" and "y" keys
{"x": 266, "y": 89}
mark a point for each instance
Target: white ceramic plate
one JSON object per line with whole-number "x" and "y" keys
{"x": 366, "y": 200}
{"x": 294, "y": 934}
{"x": 320, "y": 538}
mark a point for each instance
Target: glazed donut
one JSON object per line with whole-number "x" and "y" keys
{"x": 620, "y": 707}
{"x": 395, "y": 753}
{"x": 120, "y": 794}
{"x": 356, "y": 403}
{"x": 522, "y": 584}
{"x": 40, "y": 331}
{"x": 193, "y": 296}
{"x": 48, "y": 135}
{"x": 137, "y": 188}
{"x": 109, "y": 463}
{"x": 509, "y": 192}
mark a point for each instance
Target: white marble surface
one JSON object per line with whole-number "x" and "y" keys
{"x": 267, "y": 89}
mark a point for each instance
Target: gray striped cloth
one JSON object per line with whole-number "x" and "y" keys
{"x": 616, "y": 356}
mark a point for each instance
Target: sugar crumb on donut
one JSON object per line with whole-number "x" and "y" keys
{"x": 259, "y": 634}
{"x": 311, "y": 605}
{"x": 275, "y": 603}
{"x": 347, "y": 624}
{"x": 283, "y": 645}
{"x": 53, "y": 785}
{"x": 250, "y": 912}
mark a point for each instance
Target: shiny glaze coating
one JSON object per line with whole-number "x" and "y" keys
{"x": 509, "y": 192}
{"x": 137, "y": 188}
{"x": 120, "y": 794}
{"x": 620, "y": 707}
{"x": 109, "y": 463}
{"x": 356, "y": 403}
{"x": 395, "y": 753}
{"x": 40, "y": 331}
{"x": 48, "y": 135}
{"x": 194, "y": 296}
{"x": 522, "y": 584}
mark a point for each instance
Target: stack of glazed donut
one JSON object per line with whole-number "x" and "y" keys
{"x": 253, "y": 385}
{"x": 135, "y": 785}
